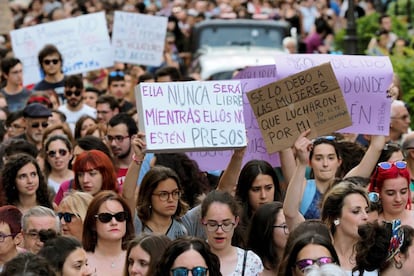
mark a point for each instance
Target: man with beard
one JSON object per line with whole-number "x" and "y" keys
{"x": 74, "y": 107}
{"x": 120, "y": 132}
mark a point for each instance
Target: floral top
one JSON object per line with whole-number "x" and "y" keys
{"x": 253, "y": 267}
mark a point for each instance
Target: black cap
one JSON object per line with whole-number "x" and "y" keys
{"x": 36, "y": 110}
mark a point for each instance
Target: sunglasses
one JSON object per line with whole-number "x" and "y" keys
{"x": 52, "y": 153}
{"x": 48, "y": 61}
{"x": 37, "y": 125}
{"x": 322, "y": 138}
{"x": 107, "y": 217}
{"x": 388, "y": 165}
{"x": 67, "y": 217}
{"x": 303, "y": 264}
{"x": 195, "y": 271}
{"x": 116, "y": 74}
{"x": 77, "y": 93}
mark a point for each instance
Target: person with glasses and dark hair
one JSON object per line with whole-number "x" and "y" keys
{"x": 36, "y": 116}
{"x": 391, "y": 180}
{"x": 159, "y": 206}
{"x": 10, "y": 233}
{"x": 15, "y": 124}
{"x": 106, "y": 108}
{"x": 75, "y": 107}
{"x": 117, "y": 88}
{"x": 16, "y": 95}
{"x": 51, "y": 64}
{"x": 188, "y": 254}
{"x": 220, "y": 215}
{"x": 107, "y": 229}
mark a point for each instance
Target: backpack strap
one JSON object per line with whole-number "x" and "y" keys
{"x": 308, "y": 194}
{"x": 244, "y": 262}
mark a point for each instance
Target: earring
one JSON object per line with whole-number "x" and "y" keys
{"x": 336, "y": 222}
{"x": 150, "y": 206}
{"x": 398, "y": 265}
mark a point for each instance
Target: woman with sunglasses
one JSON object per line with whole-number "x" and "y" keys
{"x": 58, "y": 153}
{"x": 22, "y": 183}
{"x": 107, "y": 230}
{"x": 72, "y": 211}
{"x": 185, "y": 255}
{"x": 220, "y": 214}
{"x": 307, "y": 250}
{"x": 385, "y": 247}
{"x": 392, "y": 183}
{"x": 159, "y": 206}
{"x": 267, "y": 236}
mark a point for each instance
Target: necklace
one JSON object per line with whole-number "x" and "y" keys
{"x": 115, "y": 262}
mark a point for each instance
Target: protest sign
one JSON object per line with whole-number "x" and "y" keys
{"x": 83, "y": 42}
{"x": 6, "y": 17}
{"x": 187, "y": 116}
{"x": 309, "y": 99}
{"x": 139, "y": 38}
{"x": 364, "y": 81}
{"x": 250, "y": 78}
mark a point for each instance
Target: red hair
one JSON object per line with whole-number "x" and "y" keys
{"x": 380, "y": 175}
{"x": 96, "y": 160}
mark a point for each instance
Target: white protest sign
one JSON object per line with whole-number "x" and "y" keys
{"x": 191, "y": 116}
{"x": 83, "y": 41}
{"x": 139, "y": 38}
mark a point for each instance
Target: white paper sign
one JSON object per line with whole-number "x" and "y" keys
{"x": 139, "y": 38}
{"x": 189, "y": 116}
{"x": 83, "y": 41}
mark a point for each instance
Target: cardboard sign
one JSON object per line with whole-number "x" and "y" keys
{"x": 309, "y": 99}
{"x": 188, "y": 116}
{"x": 364, "y": 81}
{"x": 139, "y": 38}
{"x": 83, "y": 42}
{"x": 6, "y": 17}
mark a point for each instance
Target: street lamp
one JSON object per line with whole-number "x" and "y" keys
{"x": 351, "y": 37}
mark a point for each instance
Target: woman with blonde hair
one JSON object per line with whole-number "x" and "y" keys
{"x": 72, "y": 212}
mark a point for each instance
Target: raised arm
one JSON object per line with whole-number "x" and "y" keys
{"x": 297, "y": 183}
{"x": 130, "y": 188}
{"x": 370, "y": 159}
{"x": 231, "y": 174}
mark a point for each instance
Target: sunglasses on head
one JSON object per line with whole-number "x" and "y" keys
{"x": 116, "y": 74}
{"x": 52, "y": 153}
{"x": 48, "y": 61}
{"x": 321, "y": 138}
{"x": 77, "y": 93}
{"x": 388, "y": 165}
{"x": 303, "y": 264}
{"x": 37, "y": 125}
{"x": 67, "y": 217}
{"x": 107, "y": 217}
{"x": 195, "y": 271}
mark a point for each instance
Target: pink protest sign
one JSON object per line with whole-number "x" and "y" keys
{"x": 256, "y": 148}
{"x": 364, "y": 81}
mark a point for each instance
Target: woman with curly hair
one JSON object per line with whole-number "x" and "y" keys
{"x": 22, "y": 183}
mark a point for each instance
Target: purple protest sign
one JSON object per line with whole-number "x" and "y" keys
{"x": 364, "y": 81}
{"x": 256, "y": 148}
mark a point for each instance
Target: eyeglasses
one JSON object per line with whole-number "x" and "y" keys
{"x": 303, "y": 264}
{"x": 15, "y": 126}
{"x": 213, "y": 226}
{"x": 285, "y": 228}
{"x": 117, "y": 138}
{"x": 107, "y": 217}
{"x": 37, "y": 125}
{"x": 164, "y": 196}
{"x": 116, "y": 74}
{"x": 4, "y": 236}
{"x": 195, "y": 271}
{"x": 373, "y": 197}
{"x": 48, "y": 61}
{"x": 387, "y": 165}
{"x": 67, "y": 217}
{"x": 69, "y": 93}
{"x": 52, "y": 153}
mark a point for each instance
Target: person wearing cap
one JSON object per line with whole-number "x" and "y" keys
{"x": 36, "y": 116}
{"x": 10, "y": 233}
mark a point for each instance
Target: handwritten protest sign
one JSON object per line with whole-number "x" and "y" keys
{"x": 250, "y": 79}
{"x": 6, "y": 17}
{"x": 191, "y": 115}
{"x": 309, "y": 99}
{"x": 83, "y": 41}
{"x": 139, "y": 38}
{"x": 364, "y": 81}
